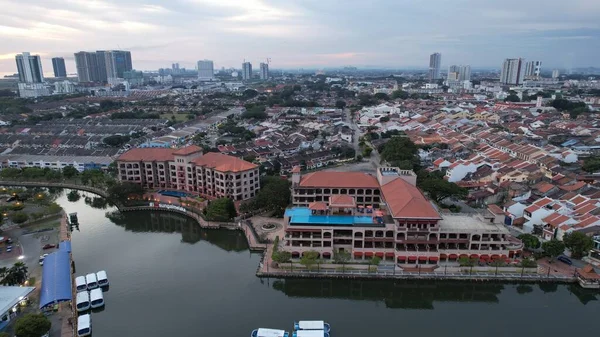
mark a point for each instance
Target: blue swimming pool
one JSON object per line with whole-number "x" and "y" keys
{"x": 303, "y": 215}
{"x": 173, "y": 194}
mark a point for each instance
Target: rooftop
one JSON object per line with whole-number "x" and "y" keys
{"x": 469, "y": 223}
{"x": 406, "y": 201}
{"x": 224, "y": 163}
{"x": 9, "y": 296}
{"x": 304, "y": 216}
{"x": 334, "y": 179}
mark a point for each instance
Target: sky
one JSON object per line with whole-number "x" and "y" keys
{"x": 304, "y": 33}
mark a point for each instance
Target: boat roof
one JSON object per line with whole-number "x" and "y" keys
{"x": 84, "y": 321}
{"x": 265, "y": 332}
{"x": 96, "y": 294}
{"x": 101, "y": 275}
{"x": 310, "y": 333}
{"x": 83, "y": 297}
{"x": 80, "y": 280}
{"x": 311, "y": 325}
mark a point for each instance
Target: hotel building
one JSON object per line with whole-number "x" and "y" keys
{"x": 188, "y": 169}
{"x": 385, "y": 215}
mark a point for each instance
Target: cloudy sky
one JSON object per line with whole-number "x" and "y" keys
{"x": 305, "y": 33}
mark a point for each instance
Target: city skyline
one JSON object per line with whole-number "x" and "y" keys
{"x": 298, "y": 34}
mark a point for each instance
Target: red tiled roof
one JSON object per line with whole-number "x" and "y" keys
{"x": 339, "y": 179}
{"x": 340, "y": 200}
{"x": 495, "y": 209}
{"x": 147, "y": 154}
{"x": 544, "y": 187}
{"x": 223, "y": 163}
{"x": 573, "y": 187}
{"x": 317, "y": 206}
{"x": 406, "y": 201}
{"x": 532, "y": 208}
{"x": 184, "y": 151}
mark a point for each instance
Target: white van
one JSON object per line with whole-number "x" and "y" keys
{"x": 102, "y": 278}
{"x": 90, "y": 280}
{"x": 97, "y": 298}
{"x": 84, "y": 325}
{"x": 83, "y": 301}
{"x": 80, "y": 283}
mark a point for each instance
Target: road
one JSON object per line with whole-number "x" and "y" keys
{"x": 355, "y": 131}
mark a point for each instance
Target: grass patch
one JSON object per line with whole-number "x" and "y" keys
{"x": 178, "y": 117}
{"x": 31, "y": 281}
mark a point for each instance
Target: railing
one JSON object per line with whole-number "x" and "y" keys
{"x": 64, "y": 184}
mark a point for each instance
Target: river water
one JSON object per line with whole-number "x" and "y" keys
{"x": 170, "y": 278}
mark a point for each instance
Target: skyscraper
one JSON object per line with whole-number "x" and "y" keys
{"x": 459, "y": 73}
{"x": 555, "y": 73}
{"x": 102, "y": 65}
{"x": 512, "y": 72}
{"x": 87, "y": 67}
{"x": 246, "y": 71}
{"x": 435, "y": 63}
{"x": 264, "y": 71}
{"x": 206, "y": 70}
{"x": 533, "y": 69}
{"x": 29, "y": 68}
{"x": 117, "y": 62}
{"x": 58, "y": 65}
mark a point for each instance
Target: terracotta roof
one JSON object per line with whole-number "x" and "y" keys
{"x": 532, "y": 208}
{"x": 317, "y": 206}
{"x": 340, "y": 200}
{"x": 406, "y": 201}
{"x": 147, "y": 154}
{"x": 184, "y": 151}
{"x": 296, "y": 169}
{"x": 495, "y": 209}
{"x": 544, "y": 187}
{"x": 223, "y": 163}
{"x": 543, "y": 202}
{"x": 573, "y": 187}
{"x": 339, "y": 179}
{"x": 588, "y": 272}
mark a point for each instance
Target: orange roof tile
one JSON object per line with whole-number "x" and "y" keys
{"x": 147, "y": 154}
{"x": 339, "y": 179}
{"x": 544, "y": 187}
{"x": 341, "y": 200}
{"x": 223, "y": 163}
{"x": 184, "y": 151}
{"x": 495, "y": 209}
{"x": 573, "y": 187}
{"x": 543, "y": 202}
{"x": 532, "y": 208}
{"x": 406, "y": 201}
{"x": 317, "y": 206}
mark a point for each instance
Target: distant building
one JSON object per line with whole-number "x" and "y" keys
{"x": 264, "y": 71}
{"x": 134, "y": 77}
{"x": 29, "y": 68}
{"x": 512, "y": 72}
{"x": 32, "y": 90}
{"x": 117, "y": 63}
{"x": 246, "y": 71}
{"x": 533, "y": 69}
{"x": 435, "y": 63}
{"x": 459, "y": 73}
{"x": 101, "y": 65}
{"x": 64, "y": 87}
{"x": 555, "y": 73}
{"x": 206, "y": 70}
{"x": 58, "y": 65}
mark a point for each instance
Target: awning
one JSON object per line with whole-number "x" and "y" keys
{"x": 443, "y": 256}
{"x": 484, "y": 257}
{"x": 358, "y": 254}
{"x": 65, "y": 246}
{"x": 504, "y": 256}
{"x": 412, "y": 258}
{"x": 453, "y": 256}
{"x": 401, "y": 258}
{"x": 495, "y": 257}
{"x": 463, "y": 256}
{"x": 368, "y": 254}
{"x": 56, "y": 279}
{"x": 326, "y": 254}
{"x": 379, "y": 254}
{"x": 389, "y": 254}
{"x": 422, "y": 258}
{"x": 474, "y": 256}
{"x": 433, "y": 258}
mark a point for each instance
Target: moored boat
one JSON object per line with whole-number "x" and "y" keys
{"x": 312, "y": 325}
{"x": 266, "y": 332}
{"x": 310, "y": 333}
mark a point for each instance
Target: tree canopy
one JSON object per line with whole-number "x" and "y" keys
{"x": 439, "y": 188}
{"x": 222, "y": 209}
{"x": 400, "y": 152}
{"x": 591, "y": 164}
{"x": 530, "y": 241}
{"x": 32, "y": 325}
{"x": 274, "y": 195}
{"x": 553, "y": 248}
{"x": 122, "y": 191}
{"x": 578, "y": 243}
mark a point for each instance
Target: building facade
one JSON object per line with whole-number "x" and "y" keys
{"x": 206, "y": 70}
{"x": 385, "y": 216}
{"x": 533, "y": 70}
{"x": 117, "y": 63}
{"x": 58, "y": 65}
{"x": 435, "y": 64}
{"x": 246, "y": 71}
{"x": 264, "y": 71}
{"x": 188, "y": 169}
{"x": 512, "y": 72}
{"x": 29, "y": 68}
{"x": 459, "y": 73}
{"x": 102, "y": 65}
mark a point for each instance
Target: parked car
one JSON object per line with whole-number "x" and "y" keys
{"x": 42, "y": 257}
{"x": 565, "y": 259}
{"x": 9, "y": 241}
{"x": 9, "y": 249}
{"x": 48, "y": 246}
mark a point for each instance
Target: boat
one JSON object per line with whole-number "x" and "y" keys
{"x": 312, "y": 325}
{"x": 91, "y": 281}
{"x": 83, "y": 301}
{"x": 102, "y": 278}
{"x": 310, "y": 333}
{"x": 73, "y": 219}
{"x": 96, "y": 297}
{"x": 80, "y": 283}
{"x": 84, "y": 325}
{"x": 266, "y": 332}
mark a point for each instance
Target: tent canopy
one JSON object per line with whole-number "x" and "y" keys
{"x": 65, "y": 246}
{"x": 56, "y": 279}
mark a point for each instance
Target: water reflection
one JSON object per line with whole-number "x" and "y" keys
{"x": 165, "y": 222}
{"x": 584, "y": 296}
{"x": 403, "y": 294}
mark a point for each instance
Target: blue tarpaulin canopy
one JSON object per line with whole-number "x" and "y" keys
{"x": 56, "y": 279}
{"x": 65, "y": 246}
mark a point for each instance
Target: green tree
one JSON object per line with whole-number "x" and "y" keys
{"x": 19, "y": 217}
{"x": 440, "y": 189}
{"x": 528, "y": 263}
{"x": 400, "y": 94}
{"x": 512, "y": 98}
{"x": 309, "y": 258}
{"x": 553, "y": 248}
{"x": 591, "y": 164}
{"x": 342, "y": 257}
{"x": 10, "y": 172}
{"x": 93, "y": 177}
{"x": 32, "y": 325}
{"x": 578, "y": 243}
{"x": 374, "y": 262}
{"x": 274, "y": 195}
{"x": 399, "y": 149}
{"x": 118, "y": 140}
{"x": 530, "y": 241}
{"x": 467, "y": 262}
{"x": 69, "y": 172}
{"x": 222, "y": 209}
{"x": 16, "y": 275}
{"x": 282, "y": 256}
{"x": 5, "y": 334}
{"x": 340, "y": 104}
{"x": 73, "y": 196}
{"x": 122, "y": 191}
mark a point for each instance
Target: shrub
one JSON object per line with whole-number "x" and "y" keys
{"x": 19, "y": 217}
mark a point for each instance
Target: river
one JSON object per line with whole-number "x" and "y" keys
{"x": 170, "y": 278}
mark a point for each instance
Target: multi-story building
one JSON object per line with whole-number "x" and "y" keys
{"x": 87, "y": 67}
{"x": 533, "y": 70}
{"x": 435, "y": 64}
{"x": 264, "y": 71}
{"x": 188, "y": 169}
{"x": 555, "y": 73}
{"x": 117, "y": 62}
{"x": 246, "y": 71}
{"x": 29, "y": 68}
{"x": 102, "y": 65}
{"x": 459, "y": 73}
{"x": 58, "y": 65}
{"x": 385, "y": 216}
{"x": 512, "y": 72}
{"x": 206, "y": 70}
